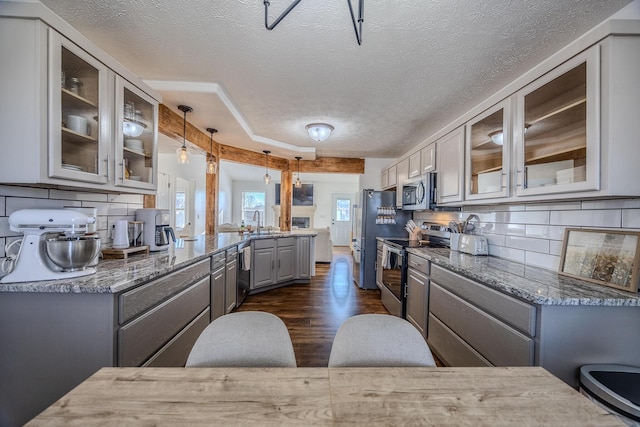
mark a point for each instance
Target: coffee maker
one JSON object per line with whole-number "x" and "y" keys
{"x": 158, "y": 234}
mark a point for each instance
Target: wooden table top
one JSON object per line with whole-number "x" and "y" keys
{"x": 324, "y": 396}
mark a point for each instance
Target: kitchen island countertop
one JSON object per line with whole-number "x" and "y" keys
{"x": 533, "y": 284}
{"x": 118, "y": 275}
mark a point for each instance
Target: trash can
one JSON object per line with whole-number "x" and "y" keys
{"x": 616, "y": 388}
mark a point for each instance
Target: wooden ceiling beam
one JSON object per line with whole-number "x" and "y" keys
{"x": 171, "y": 124}
{"x": 329, "y": 165}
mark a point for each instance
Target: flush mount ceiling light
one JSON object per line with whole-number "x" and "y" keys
{"x": 212, "y": 167}
{"x": 356, "y": 27}
{"x": 267, "y": 177}
{"x": 298, "y": 182}
{"x": 182, "y": 152}
{"x": 497, "y": 137}
{"x": 319, "y": 131}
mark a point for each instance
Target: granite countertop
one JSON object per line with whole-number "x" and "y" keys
{"x": 533, "y": 284}
{"x": 118, "y": 275}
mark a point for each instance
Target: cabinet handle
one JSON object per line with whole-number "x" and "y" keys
{"x": 525, "y": 184}
{"x": 518, "y": 172}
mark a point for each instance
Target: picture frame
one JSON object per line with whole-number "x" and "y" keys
{"x": 605, "y": 257}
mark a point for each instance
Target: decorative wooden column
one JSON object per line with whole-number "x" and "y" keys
{"x": 286, "y": 187}
{"x": 149, "y": 201}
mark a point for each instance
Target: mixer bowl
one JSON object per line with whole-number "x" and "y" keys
{"x": 72, "y": 253}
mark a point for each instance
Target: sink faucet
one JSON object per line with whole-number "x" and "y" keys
{"x": 256, "y": 214}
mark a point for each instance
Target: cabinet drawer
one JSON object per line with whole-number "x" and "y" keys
{"x": 232, "y": 254}
{"x": 218, "y": 260}
{"x": 146, "y": 296}
{"x": 419, "y": 263}
{"x": 176, "y": 352}
{"x": 496, "y": 341}
{"x": 518, "y": 314}
{"x": 263, "y": 243}
{"x": 450, "y": 348}
{"x": 144, "y": 336}
{"x": 286, "y": 241}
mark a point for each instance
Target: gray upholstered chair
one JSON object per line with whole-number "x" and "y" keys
{"x": 369, "y": 340}
{"x": 244, "y": 339}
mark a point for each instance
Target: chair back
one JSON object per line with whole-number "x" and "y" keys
{"x": 378, "y": 340}
{"x": 244, "y": 339}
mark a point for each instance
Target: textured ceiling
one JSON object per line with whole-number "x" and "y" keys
{"x": 421, "y": 64}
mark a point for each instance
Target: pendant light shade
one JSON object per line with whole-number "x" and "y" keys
{"x": 212, "y": 166}
{"x": 267, "y": 177}
{"x": 319, "y": 131}
{"x": 298, "y": 183}
{"x": 182, "y": 152}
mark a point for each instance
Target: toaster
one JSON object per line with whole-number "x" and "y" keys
{"x": 473, "y": 244}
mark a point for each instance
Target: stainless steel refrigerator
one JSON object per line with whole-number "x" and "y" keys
{"x": 374, "y": 216}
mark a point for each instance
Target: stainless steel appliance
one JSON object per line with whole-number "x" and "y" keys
{"x": 374, "y": 216}
{"x": 55, "y": 245}
{"x": 158, "y": 233}
{"x": 419, "y": 193}
{"x": 394, "y": 265}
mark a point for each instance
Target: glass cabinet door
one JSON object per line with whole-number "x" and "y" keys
{"x": 79, "y": 118}
{"x": 487, "y": 148}
{"x": 136, "y": 137}
{"x": 558, "y": 124}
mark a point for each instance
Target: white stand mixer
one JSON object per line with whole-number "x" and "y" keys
{"x": 32, "y": 263}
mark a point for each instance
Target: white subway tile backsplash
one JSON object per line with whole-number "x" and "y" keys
{"x": 537, "y": 231}
{"x": 4, "y": 228}
{"x": 132, "y": 208}
{"x": 15, "y": 203}
{"x": 496, "y": 239}
{"x": 611, "y": 204}
{"x": 75, "y": 195}
{"x": 516, "y": 255}
{"x": 562, "y": 206}
{"x": 2, "y": 255}
{"x": 125, "y": 198}
{"x": 13, "y": 191}
{"x": 527, "y": 244}
{"x": 541, "y": 217}
{"x": 547, "y": 261}
{"x": 111, "y": 209}
{"x": 595, "y": 218}
{"x": 555, "y": 247}
{"x": 631, "y": 218}
{"x": 2, "y": 206}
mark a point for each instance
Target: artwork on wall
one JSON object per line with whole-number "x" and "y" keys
{"x": 606, "y": 257}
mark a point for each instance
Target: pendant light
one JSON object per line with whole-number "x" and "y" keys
{"x": 212, "y": 167}
{"x": 267, "y": 177}
{"x": 182, "y": 152}
{"x": 298, "y": 182}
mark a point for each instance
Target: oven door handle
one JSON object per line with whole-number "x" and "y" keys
{"x": 394, "y": 250}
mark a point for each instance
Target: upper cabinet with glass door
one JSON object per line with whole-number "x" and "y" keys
{"x": 556, "y": 131}
{"x": 136, "y": 137}
{"x": 79, "y": 113}
{"x": 488, "y": 145}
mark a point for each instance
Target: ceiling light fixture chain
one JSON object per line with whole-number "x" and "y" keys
{"x": 212, "y": 167}
{"x": 357, "y": 27}
{"x": 182, "y": 152}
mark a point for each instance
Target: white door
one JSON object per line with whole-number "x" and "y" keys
{"x": 342, "y": 205}
{"x": 184, "y": 207}
{"x": 164, "y": 194}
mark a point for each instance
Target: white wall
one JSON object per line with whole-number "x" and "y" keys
{"x": 322, "y": 192}
{"x": 258, "y": 186}
{"x": 372, "y": 169}
{"x": 225, "y": 196}
{"x": 193, "y": 171}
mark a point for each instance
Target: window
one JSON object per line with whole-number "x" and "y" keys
{"x": 253, "y": 201}
{"x": 181, "y": 209}
{"x": 343, "y": 210}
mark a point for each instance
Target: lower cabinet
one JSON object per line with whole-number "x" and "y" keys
{"x": 231, "y": 280}
{"x": 379, "y": 264}
{"x": 280, "y": 260}
{"x": 218, "y": 303}
{"x": 417, "y": 292}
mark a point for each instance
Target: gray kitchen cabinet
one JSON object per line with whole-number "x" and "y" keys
{"x": 428, "y": 158}
{"x": 218, "y": 285}
{"x": 450, "y": 167}
{"x": 231, "y": 280}
{"x": 379, "y": 264}
{"x": 62, "y": 338}
{"x": 417, "y": 292}
{"x": 414, "y": 165}
{"x": 402, "y": 175}
{"x": 75, "y": 99}
{"x": 303, "y": 257}
{"x": 263, "y": 261}
{"x": 286, "y": 259}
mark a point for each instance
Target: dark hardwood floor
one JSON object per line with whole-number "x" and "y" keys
{"x": 314, "y": 312}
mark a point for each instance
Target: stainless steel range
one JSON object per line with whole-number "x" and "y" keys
{"x": 391, "y": 266}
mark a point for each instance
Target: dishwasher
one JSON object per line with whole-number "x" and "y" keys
{"x": 244, "y": 275}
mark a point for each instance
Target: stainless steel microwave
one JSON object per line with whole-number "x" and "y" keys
{"x": 418, "y": 193}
